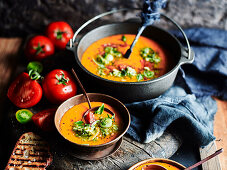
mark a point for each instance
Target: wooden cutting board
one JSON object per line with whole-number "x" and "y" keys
{"x": 9, "y": 61}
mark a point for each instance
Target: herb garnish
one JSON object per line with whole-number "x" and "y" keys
{"x": 100, "y": 110}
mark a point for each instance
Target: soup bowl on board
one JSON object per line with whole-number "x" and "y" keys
{"x": 93, "y": 152}
{"x": 132, "y": 91}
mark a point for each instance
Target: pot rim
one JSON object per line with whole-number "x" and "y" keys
{"x": 104, "y": 144}
{"x": 176, "y": 67}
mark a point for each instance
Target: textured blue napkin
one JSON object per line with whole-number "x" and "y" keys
{"x": 188, "y": 105}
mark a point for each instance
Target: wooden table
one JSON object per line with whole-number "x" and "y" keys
{"x": 9, "y": 49}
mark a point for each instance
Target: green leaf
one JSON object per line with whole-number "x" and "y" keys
{"x": 35, "y": 65}
{"x": 100, "y": 110}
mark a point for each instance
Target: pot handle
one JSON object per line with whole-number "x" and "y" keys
{"x": 186, "y": 51}
{"x": 73, "y": 40}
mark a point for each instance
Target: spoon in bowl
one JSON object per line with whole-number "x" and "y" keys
{"x": 87, "y": 98}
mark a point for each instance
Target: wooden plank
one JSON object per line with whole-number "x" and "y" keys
{"x": 214, "y": 163}
{"x": 8, "y": 54}
{"x": 220, "y": 131}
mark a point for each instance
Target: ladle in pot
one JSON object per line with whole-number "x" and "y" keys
{"x": 87, "y": 98}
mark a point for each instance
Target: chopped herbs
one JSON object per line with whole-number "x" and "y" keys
{"x": 149, "y": 55}
{"x": 104, "y": 126}
{"x": 108, "y": 67}
{"x": 123, "y": 38}
{"x": 106, "y": 122}
{"x": 139, "y": 77}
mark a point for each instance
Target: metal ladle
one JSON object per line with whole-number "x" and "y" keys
{"x": 87, "y": 98}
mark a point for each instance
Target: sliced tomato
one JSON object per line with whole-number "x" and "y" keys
{"x": 45, "y": 119}
{"x": 89, "y": 118}
{"x": 24, "y": 92}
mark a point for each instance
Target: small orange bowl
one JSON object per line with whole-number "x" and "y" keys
{"x": 167, "y": 163}
{"x": 93, "y": 152}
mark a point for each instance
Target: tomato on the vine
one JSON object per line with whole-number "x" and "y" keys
{"x": 24, "y": 92}
{"x": 58, "y": 86}
{"x": 39, "y": 47}
{"x": 60, "y": 33}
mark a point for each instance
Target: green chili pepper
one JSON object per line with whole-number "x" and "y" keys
{"x": 24, "y": 115}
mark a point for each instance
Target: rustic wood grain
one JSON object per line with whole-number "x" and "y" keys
{"x": 214, "y": 163}
{"x": 8, "y": 52}
{"x": 128, "y": 154}
{"x": 220, "y": 131}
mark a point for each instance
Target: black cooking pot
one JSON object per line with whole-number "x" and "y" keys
{"x": 132, "y": 91}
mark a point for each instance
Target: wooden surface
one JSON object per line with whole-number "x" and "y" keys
{"x": 130, "y": 152}
{"x": 8, "y": 60}
{"x": 220, "y": 131}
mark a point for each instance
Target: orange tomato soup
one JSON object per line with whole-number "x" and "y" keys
{"x": 148, "y": 60}
{"x": 76, "y": 113}
{"x": 167, "y": 166}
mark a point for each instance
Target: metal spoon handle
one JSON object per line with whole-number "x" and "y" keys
{"x": 81, "y": 86}
{"x": 129, "y": 51}
{"x": 205, "y": 159}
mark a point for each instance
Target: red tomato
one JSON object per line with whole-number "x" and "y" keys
{"x": 58, "y": 86}
{"x": 60, "y": 33}
{"x": 89, "y": 118}
{"x": 24, "y": 92}
{"x": 39, "y": 47}
{"x": 45, "y": 119}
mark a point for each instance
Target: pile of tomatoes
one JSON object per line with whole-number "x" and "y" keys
{"x": 57, "y": 86}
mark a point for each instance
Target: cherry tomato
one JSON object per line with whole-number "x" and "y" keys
{"x": 45, "y": 119}
{"x": 24, "y": 92}
{"x": 58, "y": 86}
{"x": 89, "y": 118}
{"x": 39, "y": 47}
{"x": 60, "y": 33}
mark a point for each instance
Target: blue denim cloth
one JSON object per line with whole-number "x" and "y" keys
{"x": 188, "y": 105}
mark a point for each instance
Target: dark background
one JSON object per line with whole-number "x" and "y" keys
{"x": 23, "y": 17}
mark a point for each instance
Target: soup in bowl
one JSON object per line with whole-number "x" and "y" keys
{"x": 94, "y": 135}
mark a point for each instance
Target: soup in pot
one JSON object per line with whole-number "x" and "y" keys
{"x": 105, "y": 58}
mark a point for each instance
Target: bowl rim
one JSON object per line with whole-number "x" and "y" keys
{"x": 176, "y": 67}
{"x": 156, "y": 159}
{"x": 104, "y": 144}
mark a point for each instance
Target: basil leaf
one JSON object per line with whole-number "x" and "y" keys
{"x": 100, "y": 110}
{"x": 35, "y": 66}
